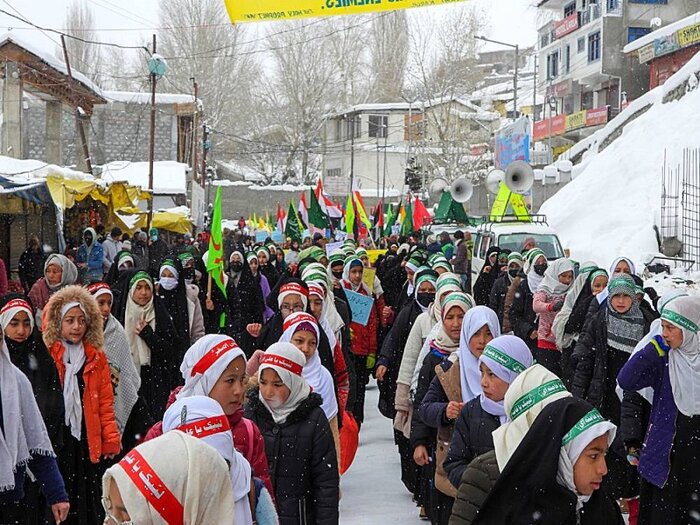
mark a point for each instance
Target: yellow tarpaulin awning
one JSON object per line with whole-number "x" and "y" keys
{"x": 163, "y": 220}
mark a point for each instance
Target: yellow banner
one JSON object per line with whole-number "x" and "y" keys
{"x": 576, "y": 120}
{"x": 374, "y": 255}
{"x": 500, "y": 205}
{"x": 688, "y": 35}
{"x": 267, "y": 10}
{"x": 506, "y": 197}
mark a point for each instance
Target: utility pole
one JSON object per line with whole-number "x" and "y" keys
{"x": 352, "y": 154}
{"x": 152, "y": 141}
{"x": 515, "y": 84}
{"x": 534, "y": 95}
{"x": 195, "y": 126}
{"x": 79, "y": 112}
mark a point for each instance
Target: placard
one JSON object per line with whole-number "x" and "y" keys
{"x": 368, "y": 275}
{"x": 277, "y": 236}
{"x": 332, "y": 246}
{"x": 360, "y": 306}
{"x": 261, "y": 236}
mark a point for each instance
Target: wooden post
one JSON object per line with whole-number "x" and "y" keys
{"x": 79, "y": 112}
{"x": 152, "y": 142}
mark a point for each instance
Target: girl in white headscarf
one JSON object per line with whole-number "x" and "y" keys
{"x": 298, "y": 439}
{"x": 59, "y": 271}
{"x": 203, "y": 418}
{"x": 668, "y": 463}
{"x": 175, "y": 478}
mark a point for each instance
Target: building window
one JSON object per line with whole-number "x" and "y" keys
{"x": 333, "y": 172}
{"x": 567, "y": 59}
{"x": 648, "y": 2}
{"x": 587, "y": 100}
{"x": 553, "y": 65}
{"x": 353, "y": 127}
{"x": 633, "y": 33}
{"x": 594, "y": 47}
{"x": 612, "y": 5}
{"x": 581, "y": 44}
{"x": 378, "y": 125}
{"x": 569, "y": 9}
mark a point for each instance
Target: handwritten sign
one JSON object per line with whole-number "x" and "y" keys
{"x": 261, "y": 236}
{"x": 332, "y": 246}
{"x": 360, "y": 306}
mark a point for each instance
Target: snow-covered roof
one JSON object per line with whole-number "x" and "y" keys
{"x": 27, "y": 43}
{"x": 28, "y": 170}
{"x": 665, "y": 31}
{"x": 416, "y": 106}
{"x": 134, "y": 97}
{"x": 169, "y": 177}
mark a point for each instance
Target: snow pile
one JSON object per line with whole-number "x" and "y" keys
{"x": 22, "y": 171}
{"x": 611, "y": 207}
{"x": 135, "y": 97}
{"x": 225, "y": 183}
{"x": 169, "y": 177}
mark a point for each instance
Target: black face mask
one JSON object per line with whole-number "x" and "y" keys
{"x": 513, "y": 272}
{"x": 236, "y": 267}
{"x": 188, "y": 273}
{"x": 424, "y": 299}
{"x": 88, "y": 239}
{"x": 338, "y": 275}
{"x": 540, "y": 269}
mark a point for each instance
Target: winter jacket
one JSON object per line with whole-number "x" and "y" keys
{"x": 421, "y": 433}
{"x": 471, "y": 438}
{"x": 302, "y": 462}
{"x": 246, "y": 438}
{"x": 40, "y": 294}
{"x": 649, "y": 368}
{"x": 30, "y": 268}
{"x": 477, "y": 481}
{"x": 444, "y": 387}
{"x": 508, "y": 304}
{"x": 157, "y": 251}
{"x": 523, "y": 319}
{"x": 111, "y": 248}
{"x": 497, "y": 299}
{"x": 94, "y": 260}
{"x": 460, "y": 261}
{"x": 543, "y": 306}
{"x": 364, "y": 338}
{"x": 98, "y": 400}
{"x": 391, "y": 354}
{"x": 194, "y": 313}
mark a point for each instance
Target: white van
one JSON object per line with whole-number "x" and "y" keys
{"x": 511, "y": 233}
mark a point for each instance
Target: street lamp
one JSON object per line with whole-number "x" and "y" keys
{"x": 515, "y": 75}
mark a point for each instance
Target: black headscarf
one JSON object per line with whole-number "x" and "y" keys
{"x": 527, "y": 491}
{"x": 488, "y": 275}
{"x": 175, "y": 301}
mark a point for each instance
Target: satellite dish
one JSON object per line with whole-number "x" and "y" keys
{"x": 494, "y": 179}
{"x": 519, "y": 176}
{"x": 437, "y": 188}
{"x": 461, "y": 190}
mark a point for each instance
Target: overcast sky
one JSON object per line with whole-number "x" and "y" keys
{"x": 132, "y": 21}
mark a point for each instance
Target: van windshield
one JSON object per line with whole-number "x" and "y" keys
{"x": 548, "y": 243}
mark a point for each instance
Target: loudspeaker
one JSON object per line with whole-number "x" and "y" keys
{"x": 437, "y": 188}
{"x": 519, "y": 176}
{"x": 461, "y": 190}
{"x": 494, "y": 179}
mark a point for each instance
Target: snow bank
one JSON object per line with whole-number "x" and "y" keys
{"x": 29, "y": 170}
{"x": 611, "y": 207}
{"x": 169, "y": 177}
{"x": 225, "y": 183}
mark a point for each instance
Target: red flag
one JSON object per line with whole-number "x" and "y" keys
{"x": 421, "y": 215}
{"x": 379, "y": 215}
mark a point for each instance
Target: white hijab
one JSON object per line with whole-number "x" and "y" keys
{"x": 73, "y": 359}
{"x": 684, "y": 361}
{"x": 205, "y": 361}
{"x": 186, "y": 476}
{"x": 24, "y": 433}
{"x": 317, "y": 376}
{"x": 470, "y": 376}
{"x": 550, "y": 284}
{"x": 140, "y": 351}
{"x": 202, "y": 417}
{"x": 288, "y": 361}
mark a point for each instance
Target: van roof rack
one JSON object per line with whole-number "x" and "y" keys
{"x": 534, "y": 218}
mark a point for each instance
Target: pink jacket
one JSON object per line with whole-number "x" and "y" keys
{"x": 542, "y": 304}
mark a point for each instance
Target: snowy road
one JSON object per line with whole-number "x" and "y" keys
{"x": 372, "y": 490}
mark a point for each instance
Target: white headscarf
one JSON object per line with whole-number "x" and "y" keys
{"x": 140, "y": 351}
{"x": 70, "y": 272}
{"x": 603, "y": 295}
{"x": 550, "y": 284}
{"x": 205, "y": 361}
{"x": 470, "y": 377}
{"x": 684, "y": 361}
{"x": 534, "y": 280}
{"x": 24, "y": 433}
{"x": 351, "y": 262}
{"x": 288, "y": 361}
{"x": 202, "y": 417}
{"x": 174, "y": 478}
{"x": 507, "y": 357}
{"x": 317, "y": 376}
{"x": 73, "y": 359}
{"x": 589, "y": 427}
{"x": 526, "y": 397}
{"x": 12, "y": 308}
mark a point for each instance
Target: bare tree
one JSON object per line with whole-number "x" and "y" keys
{"x": 84, "y": 57}
{"x": 389, "y": 50}
{"x": 200, "y": 42}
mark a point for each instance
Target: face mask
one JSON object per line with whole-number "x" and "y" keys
{"x": 513, "y": 272}
{"x": 338, "y": 275}
{"x": 540, "y": 269}
{"x": 236, "y": 267}
{"x": 169, "y": 283}
{"x": 424, "y": 299}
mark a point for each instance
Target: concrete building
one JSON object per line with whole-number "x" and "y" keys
{"x": 374, "y": 144}
{"x": 584, "y": 74}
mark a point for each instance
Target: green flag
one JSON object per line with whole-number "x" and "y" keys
{"x": 316, "y": 216}
{"x": 293, "y": 228}
{"x": 215, "y": 261}
{"x": 390, "y": 220}
{"x": 407, "y": 224}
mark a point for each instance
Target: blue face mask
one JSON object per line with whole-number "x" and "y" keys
{"x": 169, "y": 283}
